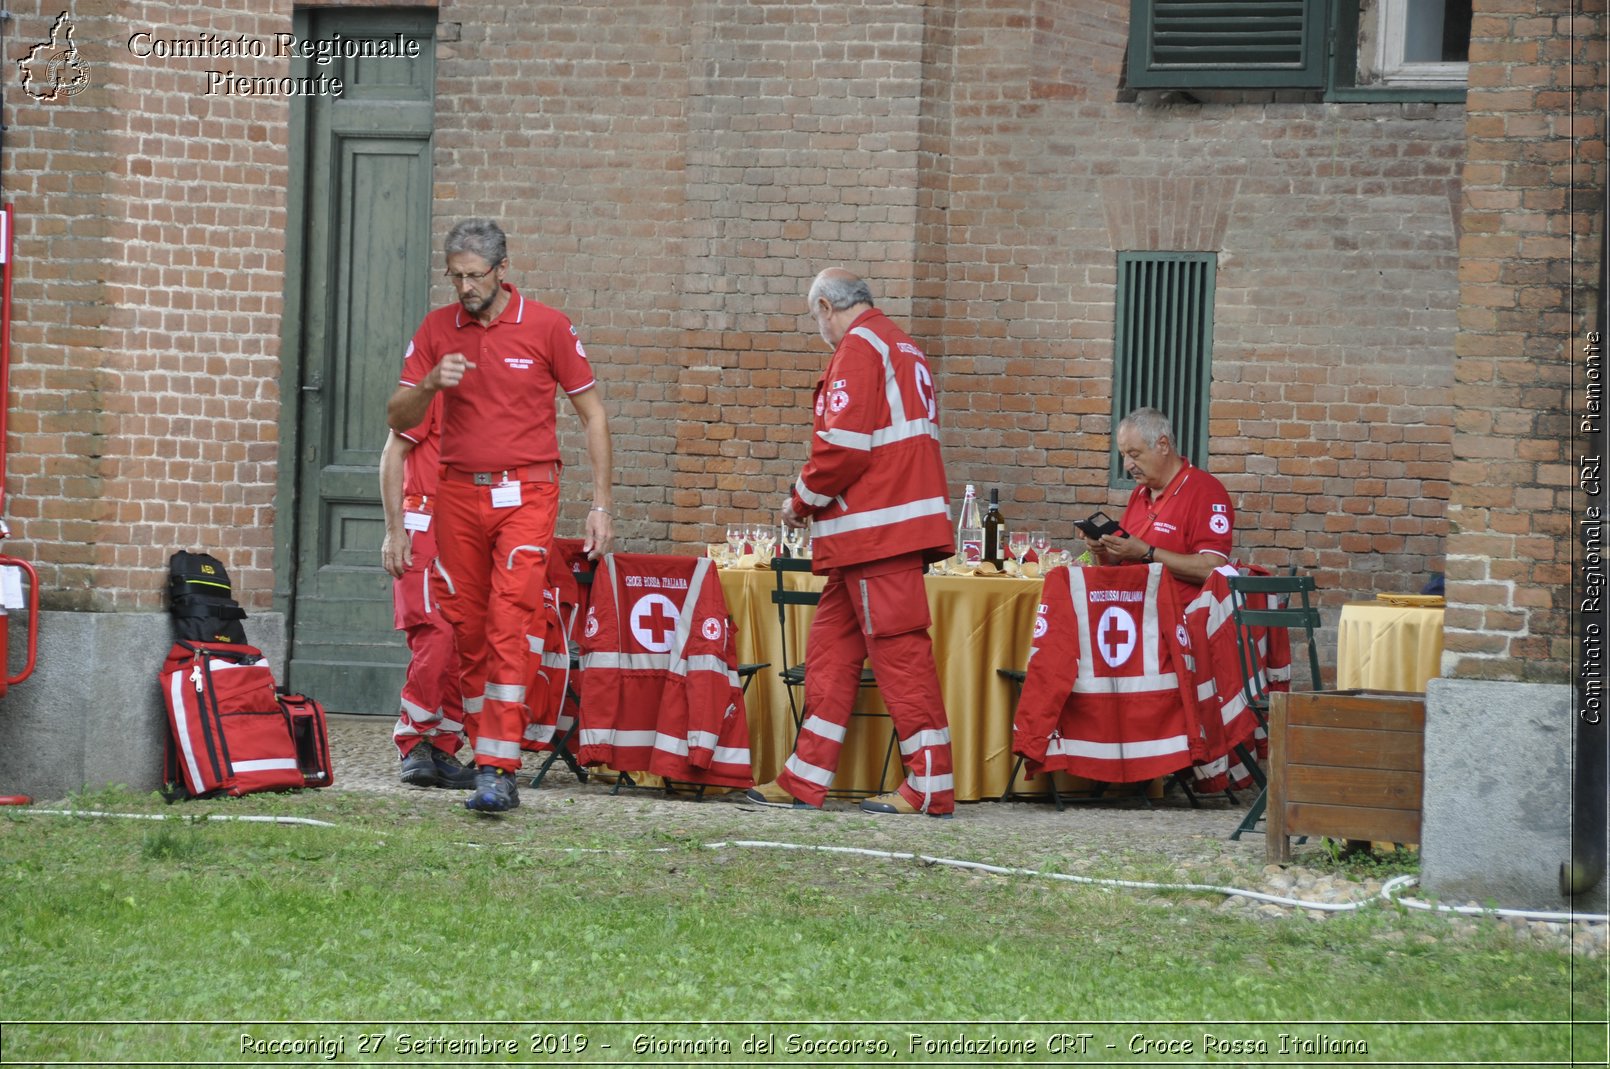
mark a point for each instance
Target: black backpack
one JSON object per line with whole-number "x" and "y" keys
{"x": 201, "y": 600}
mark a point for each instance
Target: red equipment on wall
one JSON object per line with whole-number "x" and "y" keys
{"x": 6, "y": 681}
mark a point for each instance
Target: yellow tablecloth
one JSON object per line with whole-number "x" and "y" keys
{"x": 1388, "y": 647}
{"x": 979, "y": 625}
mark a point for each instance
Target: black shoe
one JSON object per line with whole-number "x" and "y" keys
{"x": 419, "y": 768}
{"x": 449, "y": 773}
{"x": 494, "y": 792}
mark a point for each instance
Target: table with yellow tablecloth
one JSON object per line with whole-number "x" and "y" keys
{"x": 1381, "y": 646}
{"x": 979, "y": 625}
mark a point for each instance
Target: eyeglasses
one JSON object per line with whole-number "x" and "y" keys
{"x": 467, "y": 276}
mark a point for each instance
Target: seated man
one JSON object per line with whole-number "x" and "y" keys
{"x": 1178, "y": 514}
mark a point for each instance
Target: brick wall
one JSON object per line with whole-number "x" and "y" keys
{"x": 672, "y": 176}
{"x": 1527, "y": 273}
{"x": 975, "y": 163}
{"x": 147, "y": 289}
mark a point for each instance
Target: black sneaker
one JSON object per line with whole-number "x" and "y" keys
{"x": 495, "y": 791}
{"x": 419, "y": 768}
{"x": 449, "y": 773}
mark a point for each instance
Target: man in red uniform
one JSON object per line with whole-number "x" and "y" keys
{"x": 1178, "y": 514}
{"x": 432, "y": 709}
{"x": 874, "y": 490}
{"x": 497, "y": 358}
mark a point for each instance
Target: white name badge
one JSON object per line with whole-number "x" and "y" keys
{"x": 505, "y": 495}
{"x": 416, "y": 521}
{"x": 11, "y": 587}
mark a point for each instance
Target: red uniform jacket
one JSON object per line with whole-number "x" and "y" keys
{"x": 1108, "y": 695}
{"x": 874, "y": 485}
{"x": 659, "y": 688}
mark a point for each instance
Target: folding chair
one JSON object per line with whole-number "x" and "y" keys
{"x": 793, "y": 673}
{"x": 1260, "y": 604}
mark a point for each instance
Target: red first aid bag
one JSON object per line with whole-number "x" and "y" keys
{"x": 230, "y": 733}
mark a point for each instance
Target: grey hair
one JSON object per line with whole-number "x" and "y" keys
{"x": 1151, "y": 425}
{"x": 840, "y": 289}
{"x": 478, "y": 237}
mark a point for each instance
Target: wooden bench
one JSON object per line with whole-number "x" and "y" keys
{"x": 1345, "y": 765}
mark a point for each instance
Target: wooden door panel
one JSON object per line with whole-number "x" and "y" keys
{"x": 364, "y": 287}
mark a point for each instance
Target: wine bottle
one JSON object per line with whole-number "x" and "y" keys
{"x": 994, "y": 532}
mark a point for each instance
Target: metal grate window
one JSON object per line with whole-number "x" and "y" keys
{"x": 1204, "y": 44}
{"x": 1163, "y": 348}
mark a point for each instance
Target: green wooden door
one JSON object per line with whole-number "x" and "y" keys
{"x": 361, "y": 246}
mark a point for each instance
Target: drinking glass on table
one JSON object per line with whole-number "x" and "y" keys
{"x": 763, "y": 536}
{"x": 794, "y": 539}
{"x": 737, "y": 535}
{"x": 1041, "y": 543}
{"x": 1018, "y": 542}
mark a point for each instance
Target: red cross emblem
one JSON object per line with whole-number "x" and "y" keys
{"x": 1115, "y": 636}
{"x": 654, "y": 622}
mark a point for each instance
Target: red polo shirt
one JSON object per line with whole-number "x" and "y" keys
{"x": 502, "y": 415}
{"x": 1193, "y": 514}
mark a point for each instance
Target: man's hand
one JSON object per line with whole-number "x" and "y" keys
{"x": 396, "y": 553}
{"x": 449, "y": 372}
{"x": 1122, "y": 547}
{"x": 789, "y": 518}
{"x": 600, "y": 534}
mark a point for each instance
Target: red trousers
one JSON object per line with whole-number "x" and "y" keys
{"x": 432, "y": 704}
{"x": 877, "y": 612}
{"x": 494, "y": 565}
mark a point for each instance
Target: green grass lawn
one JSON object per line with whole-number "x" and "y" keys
{"x": 404, "y": 915}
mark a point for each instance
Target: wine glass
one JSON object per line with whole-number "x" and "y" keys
{"x": 794, "y": 539}
{"x": 737, "y": 535}
{"x": 763, "y": 536}
{"x": 1018, "y": 542}
{"x": 1041, "y": 543}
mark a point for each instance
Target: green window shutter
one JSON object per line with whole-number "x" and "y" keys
{"x": 1227, "y": 44}
{"x": 1163, "y": 345}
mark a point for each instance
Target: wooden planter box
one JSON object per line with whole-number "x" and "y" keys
{"x": 1345, "y": 764}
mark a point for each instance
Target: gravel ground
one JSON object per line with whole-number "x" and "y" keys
{"x": 1193, "y": 844}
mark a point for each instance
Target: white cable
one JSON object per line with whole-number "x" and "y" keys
{"x": 1387, "y": 892}
{"x": 191, "y": 818}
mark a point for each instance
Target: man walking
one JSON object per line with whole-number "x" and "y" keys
{"x": 497, "y": 358}
{"x": 874, "y": 491}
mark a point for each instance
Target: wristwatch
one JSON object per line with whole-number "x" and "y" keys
{"x": 1151, "y": 553}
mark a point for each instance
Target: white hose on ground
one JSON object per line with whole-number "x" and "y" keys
{"x": 1387, "y": 893}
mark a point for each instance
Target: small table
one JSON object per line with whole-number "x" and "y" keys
{"x": 1381, "y": 646}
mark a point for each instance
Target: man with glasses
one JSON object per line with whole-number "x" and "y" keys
{"x": 497, "y": 358}
{"x": 1178, "y": 515}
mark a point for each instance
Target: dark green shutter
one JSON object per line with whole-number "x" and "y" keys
{"x": 1163, "y": 344}
{"x": 1230, "y": 44}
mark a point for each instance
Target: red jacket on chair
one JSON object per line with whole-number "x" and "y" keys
{"x": 659, "y": 689}
{"x": 555, "y": 631}
{"x": 1108, "y": 695}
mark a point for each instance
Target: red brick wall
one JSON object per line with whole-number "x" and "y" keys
{"x": 673, "y": 174}
{"x": 975, "y": 163}
{"x": 1527, "y": 273}
{"x": 147, "y": 293}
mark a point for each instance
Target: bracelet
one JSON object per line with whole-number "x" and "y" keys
{"x": 1151, "y": 554}
{"x": 606, "y": 512}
